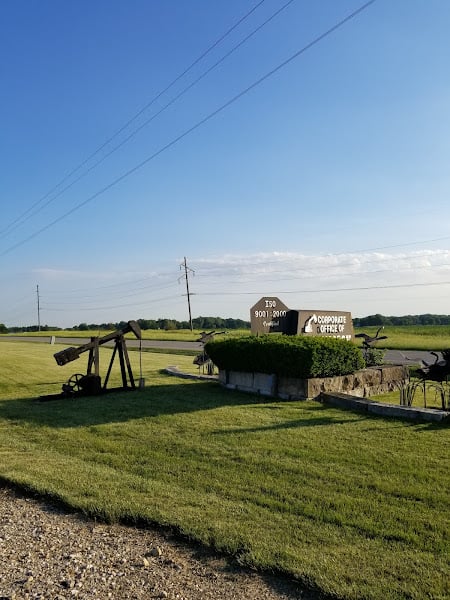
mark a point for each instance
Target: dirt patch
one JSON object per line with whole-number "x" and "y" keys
{"x": 47, "y": 552}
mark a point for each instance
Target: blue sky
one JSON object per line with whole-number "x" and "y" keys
{"x": 326, "y": 184}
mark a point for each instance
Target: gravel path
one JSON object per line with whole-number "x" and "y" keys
{"x": 48, "y": 553}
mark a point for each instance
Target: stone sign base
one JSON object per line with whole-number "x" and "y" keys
{"x": 364, "y": 383}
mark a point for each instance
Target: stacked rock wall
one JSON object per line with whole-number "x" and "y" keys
{"x": 364, "y": 383}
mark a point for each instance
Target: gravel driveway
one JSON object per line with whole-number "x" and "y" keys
{"x": 49, "y": 553}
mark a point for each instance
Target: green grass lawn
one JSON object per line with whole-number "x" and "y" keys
{"x": 428, "y": 398}
{"x": 353, "y": 505}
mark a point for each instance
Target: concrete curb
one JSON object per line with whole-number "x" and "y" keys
{"x": 175, "y": 371}
{"x": 383, "y": 409}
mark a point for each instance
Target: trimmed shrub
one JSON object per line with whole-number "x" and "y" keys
{"x": 288, "y": 356}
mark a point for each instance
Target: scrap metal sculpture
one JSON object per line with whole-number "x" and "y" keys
{"x": 372, "y": 356}
{"x": 437, "y": 371}
{"x": 90, "y": 384}
{"x": 432, "y": 377}
{"x": 203, "y": 360}
{"x": 369, "y": 340}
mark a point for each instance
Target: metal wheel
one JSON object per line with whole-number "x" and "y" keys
{"x": 74, "y": 383}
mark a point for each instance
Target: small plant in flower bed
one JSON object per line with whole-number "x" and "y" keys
{"x": 374, "y": 357}
{"x": 288, "y": 356}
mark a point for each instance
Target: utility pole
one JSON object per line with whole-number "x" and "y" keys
{"x": 38, "y": 308}
{"x": 188, "y": 294}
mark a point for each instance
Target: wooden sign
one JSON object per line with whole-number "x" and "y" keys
{"x": 269, "y": 315}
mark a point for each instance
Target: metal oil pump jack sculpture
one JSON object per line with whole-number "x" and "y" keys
{"x": 90, "y": 384}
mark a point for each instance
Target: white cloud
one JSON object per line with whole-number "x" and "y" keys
{"x": 364, "y": 283}
{"x": 228, "y": 285}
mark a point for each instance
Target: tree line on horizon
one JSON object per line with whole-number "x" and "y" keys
{"x": 205, "y": 323}
{"x": 379, "y": 320}
{"x": 210, "y": 323}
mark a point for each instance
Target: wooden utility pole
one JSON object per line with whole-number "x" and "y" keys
{"x": 188, "y": 294}
{"x": 38, "y": 308}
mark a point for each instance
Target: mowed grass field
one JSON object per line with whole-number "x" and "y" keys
{"x": 178, "y": 335}
{"x": 411, "y": 337}
{"x": 357, "y": 507}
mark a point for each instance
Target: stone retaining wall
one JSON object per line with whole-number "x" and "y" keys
{"x": 364, "y": 383}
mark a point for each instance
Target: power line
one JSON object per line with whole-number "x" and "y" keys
{"x": 135, "y": 292}
{"x": 256, "y": 293}
{"x": 58, "y": 308}
{"x": 55, "y": 305}
{"x": 64, "y": 307}
{"x": 19, "y": 220}
{"x": 153, "y": 117}
{"x": 340, "y": 274}
{"x": 197, "y": 125}
{"x": 263, "y": 262}
{"x": 100, "y": 308}
{"x": 317, "y": 291}
{"x": 119, "y": 284}
{"x": 439, "y": 239}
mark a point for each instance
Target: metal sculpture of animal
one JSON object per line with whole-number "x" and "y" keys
{"x": 369, "y": 340}
{"x": 206, "y": 337}
{"x": 437, "y": 371}
{"x": 203, "y": 360}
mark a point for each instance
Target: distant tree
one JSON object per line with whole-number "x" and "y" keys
{"x": 236, "y": 324}
{"x": 409, "y": 320}
{"x": 3, "y": 328}
{"x": 147, "y": 324}
{"x": 375, "y": 320}
{"x": 50, "y": 328}
{"x": 405, "y": 320}
{"x": 429, "y": 319}
{"x": 167, "y": 324}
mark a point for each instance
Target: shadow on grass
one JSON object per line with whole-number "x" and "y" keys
{"x": 171, "y": 399}
{"x": 155, "y": 401}
{"x": 315, "y": 422}
{"x": 121, "y": 406}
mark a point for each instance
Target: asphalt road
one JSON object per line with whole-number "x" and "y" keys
{"x": 392, "y": 356}
{"x": 409, "y": 357}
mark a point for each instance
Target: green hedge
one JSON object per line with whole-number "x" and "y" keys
{"x": 289, "y": 356}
